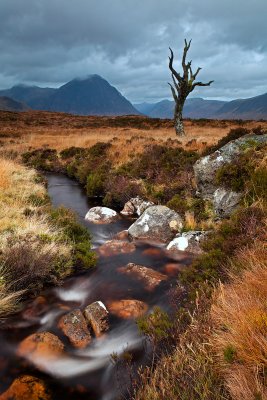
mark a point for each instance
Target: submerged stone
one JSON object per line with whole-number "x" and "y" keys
{"x": 113, "y": 247}
{"x": 128, "y": 309}
{"x": 148, "y": 276}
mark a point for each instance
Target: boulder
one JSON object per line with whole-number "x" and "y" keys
{"x": 101, "y": 215}
{"x": 148, "y": 276}
{"x": 97, "y": 315}
{"x": 136, "y": 206}
{"x": 224, "y": 200}
{"x": 157, "y": 223}
{"x": 75, "y": 328}
{"x": 128, "y": 309}
{"x": 40, "y": 348}
{"x": 187, "y": 241}
{"x": 113, "y": 247}
{"x": 26, "y": 387}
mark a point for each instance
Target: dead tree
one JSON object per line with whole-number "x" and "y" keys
{"x": 182, "y": 86}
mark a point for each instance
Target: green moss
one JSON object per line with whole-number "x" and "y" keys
{"x": 155, "y": 325}
{"x": 38, "y": 200}
{"x": 77, "y": 235}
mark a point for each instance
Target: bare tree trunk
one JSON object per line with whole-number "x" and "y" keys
{"x": 178, "y": 121}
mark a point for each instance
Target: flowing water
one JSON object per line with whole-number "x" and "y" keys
{"x": 90, "y": 373}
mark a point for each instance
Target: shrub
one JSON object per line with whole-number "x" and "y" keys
{"x": 233, "y": 134}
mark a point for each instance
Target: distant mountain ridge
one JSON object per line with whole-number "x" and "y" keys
{"x": 8, "y": 104}
{"x": 90, "y": 96}
{"x": 95, "y": 96}
{"x": 251, "y": 108}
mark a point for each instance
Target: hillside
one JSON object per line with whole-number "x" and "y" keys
{"x": 8, "y": 104}
{"x": 90, "y": 96}
{"x": 252, "y": 108}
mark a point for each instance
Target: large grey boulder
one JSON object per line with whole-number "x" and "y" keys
{"x": 205, "y": 168}
{"x": 224, "y": 200}
{"x": 157, "y": 223}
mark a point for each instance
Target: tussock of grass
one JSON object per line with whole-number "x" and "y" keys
{"x": 240, "y": 316}
{"x": 35, "y": 248}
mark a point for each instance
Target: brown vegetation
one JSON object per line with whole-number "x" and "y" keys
{"x": 20, "y": 132}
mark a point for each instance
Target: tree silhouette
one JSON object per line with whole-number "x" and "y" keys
{"x": 183, "y": 85}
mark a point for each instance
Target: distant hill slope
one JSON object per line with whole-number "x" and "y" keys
{"x": 37, "y": 98}
{"x": 8, "y": 104}
{"x": 252, "y": 108}
{"x": 90, "y": 96}
{"x": 194, "y": 108}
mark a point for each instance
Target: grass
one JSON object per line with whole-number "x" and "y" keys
{"x": 35, "y": 249}
{"x": 239, "y": 313}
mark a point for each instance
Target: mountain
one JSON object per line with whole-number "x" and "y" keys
{"x": 144, "y": 108}
{"x": 193, "y": 108}
{"x": 252, "y": 108}
{"x": 8, "y": 104}
{"x": 90, "y": 96}
{"x": 37, "y": 98}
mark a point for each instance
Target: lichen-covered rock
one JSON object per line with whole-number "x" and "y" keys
{"x": 97, "y": 315}
{"x": 225, "y": 201}
{"x": 157, "y": 223}
{"x": 113, "y": 247}
{"x": 75, "y": 328}
{"x": 101, "y": 215}
{"x": 205, "y": 168}
{"x": 26, "y": 387}
{"x": 128, "y": 309}
{"x": 40, "y": 348}
{"x": 187, "y": 241}
{"x": 136, "y": 206}
{"x": 148, "y": 276}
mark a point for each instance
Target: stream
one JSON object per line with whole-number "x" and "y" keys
{"x": 89, "y": 373}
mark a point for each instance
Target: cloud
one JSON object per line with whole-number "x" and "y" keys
{"x": 48, "y": 42}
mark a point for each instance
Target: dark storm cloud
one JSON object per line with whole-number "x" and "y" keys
{"x": 48, "y": 42}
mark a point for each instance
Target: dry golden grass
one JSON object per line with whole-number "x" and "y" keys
{"x": 30, "y": 130}
{"x": 240, "y": 317}
{"x": 18, "y": 189}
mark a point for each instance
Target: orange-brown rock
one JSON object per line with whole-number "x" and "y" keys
{"x": 148, "y": 276}
{"x": 123, "y": 235}
{"x": 113, "y": 247}
{"x": 153, "y": 252}
{"x": 174, "y": 268}
{"x": 75, "y": 328}
{"x": 26, "y": 387}
{"x": 127, "y": 309}
{"x": 97, "y": 315}
{"x": 39, "y": 346}
{"x": 37, "y": 307}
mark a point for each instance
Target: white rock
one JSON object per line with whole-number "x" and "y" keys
{"x": 101, "y": 215}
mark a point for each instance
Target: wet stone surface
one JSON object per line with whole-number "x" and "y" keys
{"x": 74, "y": 326}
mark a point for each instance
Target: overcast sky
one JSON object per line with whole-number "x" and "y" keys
{"x": 49, "y": 42}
